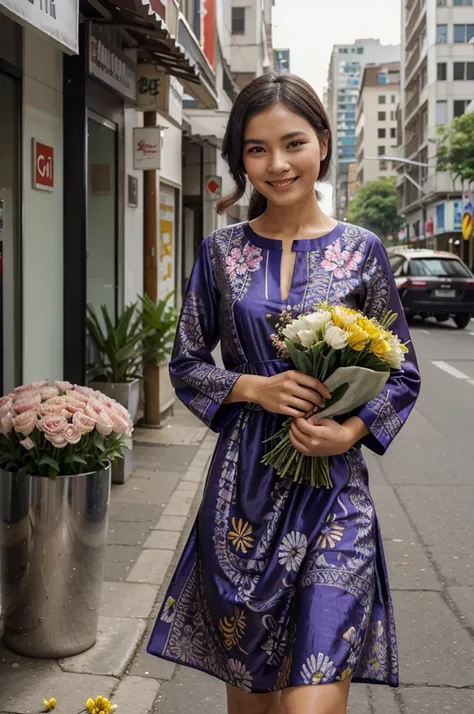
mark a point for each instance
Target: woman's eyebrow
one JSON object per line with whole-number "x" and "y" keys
{"x": 285, "y": 137}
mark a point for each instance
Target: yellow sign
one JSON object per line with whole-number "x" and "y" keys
{"x": 466, "y": 226}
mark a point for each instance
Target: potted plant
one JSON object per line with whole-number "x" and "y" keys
{"x": 119, "y": 353}
{"x": 159, "y": 324}
{"x": 57, "y": 443}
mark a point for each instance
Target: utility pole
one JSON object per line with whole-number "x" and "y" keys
{"x": 150, "y": 224}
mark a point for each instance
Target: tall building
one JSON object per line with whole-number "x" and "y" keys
{"x": 251, "y": 48}
{"x": 376, "y": 121}
{"x": 344, "y": 76}
{"x": 437, "y": 76}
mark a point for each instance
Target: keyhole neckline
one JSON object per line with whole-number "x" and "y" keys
{"x": 299, "y": 245}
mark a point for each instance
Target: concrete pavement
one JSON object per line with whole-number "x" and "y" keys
{"x": 423, "y": 489}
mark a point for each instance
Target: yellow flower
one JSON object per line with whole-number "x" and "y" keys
{"x": 49, "y": 703}
{"x": 241, "y": 537}
{"x": 370, "y": 327}
{"x": 346, "y": 674}
{"x": 380, "y": 347}
{"x": 100, "y": 705}
{"x": 343, "y": 316}
{"x": 357, "y": 338}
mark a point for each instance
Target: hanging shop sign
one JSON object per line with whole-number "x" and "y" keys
{"x": 157, "y": 91}
{"x": 43, "y": 166}
{"x": 147, "y": 148}
{"x": 58, "y": 19}
{"x": 110, "y": 64}
{"x": 213, "y": 186}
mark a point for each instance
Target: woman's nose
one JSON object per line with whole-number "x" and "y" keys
{"x": 278, "y": 164}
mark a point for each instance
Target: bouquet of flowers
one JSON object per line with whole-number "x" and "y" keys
{"x": 64, "y": 429}
{"x": 352, "y": 354}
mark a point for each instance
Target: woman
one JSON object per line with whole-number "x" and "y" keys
{"x": 281, "y": 585}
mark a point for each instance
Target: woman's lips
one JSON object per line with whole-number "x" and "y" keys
{"x": 283, "y": 184}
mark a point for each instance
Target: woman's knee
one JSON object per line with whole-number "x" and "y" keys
{"x": 239, "y": 702}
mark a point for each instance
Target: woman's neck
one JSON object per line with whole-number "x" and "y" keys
{"x": 305, "y": 220}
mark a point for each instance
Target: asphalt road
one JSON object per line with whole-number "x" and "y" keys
{"x": 424, "y": 492}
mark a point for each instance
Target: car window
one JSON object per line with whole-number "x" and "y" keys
{"x": 438, "y": 268}
{"x": 396, "y": 262}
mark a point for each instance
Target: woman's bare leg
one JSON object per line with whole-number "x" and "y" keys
{"x": 316, "y": 699}
{"x": 240, "y": 702}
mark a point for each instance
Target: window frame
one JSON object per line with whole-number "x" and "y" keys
{"x": 445, "y": 67}
{"x": 234, "y": 19}
{"x": 440, "y": 41}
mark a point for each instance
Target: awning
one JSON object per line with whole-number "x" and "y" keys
{"x": 155, "y": 43}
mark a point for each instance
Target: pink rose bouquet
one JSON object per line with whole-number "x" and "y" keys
{"x": 60, "y": 429}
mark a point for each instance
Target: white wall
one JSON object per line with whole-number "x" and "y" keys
{"x": 133, "y": 218}
{"x": 171, "y": 159}
{"x": 42, "y": 215}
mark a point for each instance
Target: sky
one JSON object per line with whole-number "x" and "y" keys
{"x": 310, "y": 29}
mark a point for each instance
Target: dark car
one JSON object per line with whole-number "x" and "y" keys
{"x": 432, "y": 283}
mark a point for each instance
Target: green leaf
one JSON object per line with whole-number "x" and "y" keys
{"x": 337, "y": 394}
{"x": 49, "y": 461}
{"x": 301, "y": 359}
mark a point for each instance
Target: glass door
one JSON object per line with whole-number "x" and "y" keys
{"x": 102, "y": 192}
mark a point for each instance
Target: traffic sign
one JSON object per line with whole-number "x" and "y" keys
{"x": 214, "y": 186}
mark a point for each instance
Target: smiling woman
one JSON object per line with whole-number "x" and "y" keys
{"x": 279, "y": 138}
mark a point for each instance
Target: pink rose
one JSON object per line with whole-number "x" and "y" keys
{"x": 72, "y": 434}
{"x": 76, "y": 396}
{"x": 87, "y": 391}
{"x": 41, "y": 384}
{"x": 48, "y": 393}
{"x": 74, "y": 405}
{"x": 63, "y": 386}
{"x": 84, "y": 423}
{"x": 121, "y": 424}
{"x": 57, "y": 440}
{"x": 24, "y": 389}
{"x": 53, "y": 425}
{"x": 6, "y": 406}
{"x": 113, "y": 405}
{"x": 32, "y": 400}
{"x": 6, "y": 423}
{"x": 97, "y": 411}
{"x": 7, "y": 399}
{"x": 53, "y": 410}
{"x": 25, "y": 422}
{"x": 28, "y": 443}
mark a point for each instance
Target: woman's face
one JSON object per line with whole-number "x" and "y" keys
{"x": 282, "y": 155}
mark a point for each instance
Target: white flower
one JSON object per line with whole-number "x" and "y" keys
{"x": 240, "y": 676}
{"x": 292, "y": 550}
{"x": 291, "y": 330}
{"x": 307, "y": 337}
{"x": 318, "y": 670}
{"x": 346, "y": 317}
{"x": 317, "y": 320}
{"x": 335, "y": 337}
{"x": 395, "y": 357}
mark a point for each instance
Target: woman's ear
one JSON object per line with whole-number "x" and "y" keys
{"x": 323, "y": 143}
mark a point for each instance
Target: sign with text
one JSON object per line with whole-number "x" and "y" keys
{"x": 111, "y": 65}
{"x": 157, "y": 91}
{"x": 43, "y": 166}
{"x": 59, "y": 19}
{"x": 147, "y": 148}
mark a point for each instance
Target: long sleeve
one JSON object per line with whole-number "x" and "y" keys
{"x": 199, "y": 384}
{"x": 385, "y": 415}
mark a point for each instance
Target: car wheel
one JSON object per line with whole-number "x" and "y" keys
{"x": 462, "y": 321}
{"x": 442, "y": 318}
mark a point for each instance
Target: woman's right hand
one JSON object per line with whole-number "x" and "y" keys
{"x": 290, "y": 393}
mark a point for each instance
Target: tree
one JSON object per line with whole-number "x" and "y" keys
{"x": 456, "y": 148}
{"x": 375, "y": 207}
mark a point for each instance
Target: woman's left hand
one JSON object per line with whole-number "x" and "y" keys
{"x": 325, "y": 437}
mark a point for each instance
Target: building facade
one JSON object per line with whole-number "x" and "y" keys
{"x": 344, "y": 77}
{"x": 251, "y": 47}
{"x": 376, "y": 122}
{"x": 437, "y": 74}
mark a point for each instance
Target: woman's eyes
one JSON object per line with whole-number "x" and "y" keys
{"x": 291, "y": 145}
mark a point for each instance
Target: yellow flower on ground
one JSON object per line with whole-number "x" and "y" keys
{"x": 49, "y": 703}
{"x": 357, "y": 338}
{"x": 100, "y": 705}
{"x": 380, "y": 347}
{"x": 241, "y": 537}
{"x": 369, "y": 326}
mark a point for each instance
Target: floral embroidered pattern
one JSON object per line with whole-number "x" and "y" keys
{"x": 168, "y": 611}
{"x": 318, "y": 670}
{"x": 293, "y": 550}
{"x": 189, "y": 328}
{"x": 331, "y": 533}
{"x": 342, "y": 263}
{"x": 375, "y": 662}
{"x": 241, "y": 535}
{"x": 242, "y": 260}
{"x": 239, "y": 675}
{"x": 387, "y": 423}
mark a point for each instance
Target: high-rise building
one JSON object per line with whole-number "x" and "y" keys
{"x": 437, "y": 74}
{"x": 376, "y": 121}
{"x": 344, "y": 76}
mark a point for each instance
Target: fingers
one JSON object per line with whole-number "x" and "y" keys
{"x": 303, "y": 406}
{"x": 310, "y": 395}
{"x": 311, "y": 383}
{"x": 304, "y": 427}
{"x": 299, "y": 445}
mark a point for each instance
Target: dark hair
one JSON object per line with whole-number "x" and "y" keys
{"x": 262, "y": 93}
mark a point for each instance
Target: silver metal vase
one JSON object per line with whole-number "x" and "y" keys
{"x": 53, "y": 536}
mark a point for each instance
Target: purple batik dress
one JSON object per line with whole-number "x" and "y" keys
{"x": 280, "y": 584}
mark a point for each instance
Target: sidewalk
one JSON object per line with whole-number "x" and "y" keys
{"x": 150, "y": 517}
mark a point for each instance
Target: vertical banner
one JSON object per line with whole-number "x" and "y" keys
{"x": 166, "y": 265}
